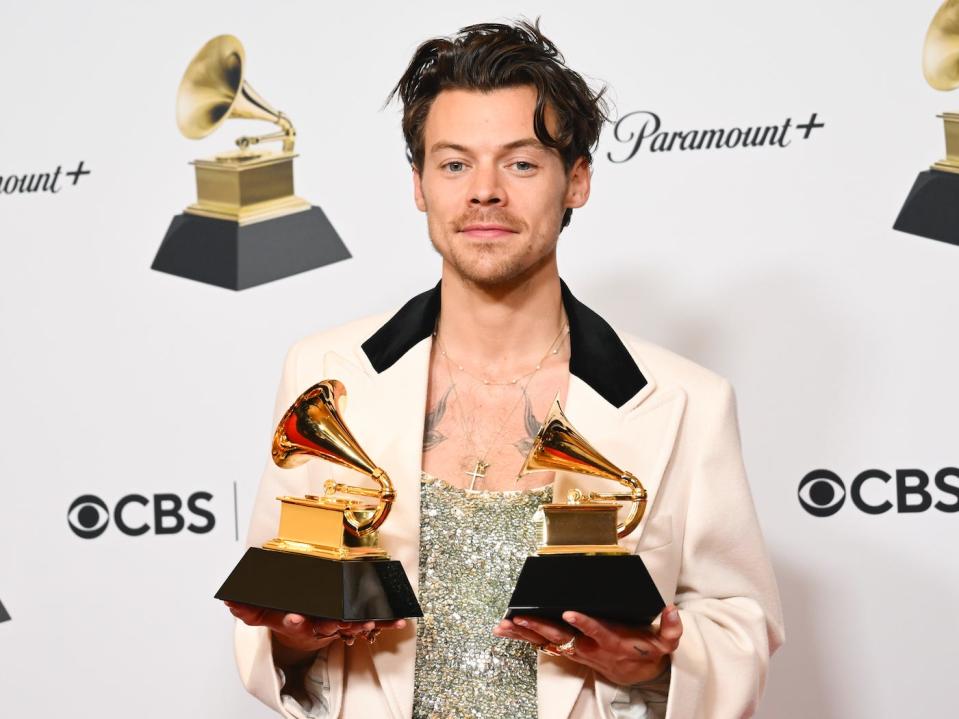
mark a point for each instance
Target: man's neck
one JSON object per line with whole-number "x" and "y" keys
{"x": 500, "y": 329}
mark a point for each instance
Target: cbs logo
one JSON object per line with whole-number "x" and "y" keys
{"x": 822, "y": 493}
{"x": 89, "y": 516}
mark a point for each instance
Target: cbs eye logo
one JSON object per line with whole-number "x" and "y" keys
{"x": 89, "y": 516}
{"x": 822, "y": 493}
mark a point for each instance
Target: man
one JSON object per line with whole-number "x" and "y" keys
{"x": 446, "y": 394}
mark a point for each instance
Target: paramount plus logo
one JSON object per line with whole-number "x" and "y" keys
{"x": 643, "y": 130}
{"x": 52, "y": 182}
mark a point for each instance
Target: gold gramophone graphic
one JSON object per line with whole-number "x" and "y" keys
{"x": 940, "y": 66}
{"x": 324, "y": 561}
{"x": 579, "y": 565}
{"x": 250, "y": 183}
{"x": 932, "y": 207}
{"x": 247, "y": 225}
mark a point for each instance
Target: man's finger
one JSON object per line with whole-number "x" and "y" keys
{"x": 288, "y": 623}
{"x": 321, "y": 628}
{"x": 520, "y": 636}
{"x": 509, "y": 630}
{"x": 351, "y": 629}
{"x": 592, "y": 628}
{"x": 246, "y": 612}
{"x": 391, "y": 624}
{"x": 293, "y": 624}
{"x": 292, "y": 621}
{"x": 671, "y": 626}
{"x": 256, "y": 616}
{"x": 357, "y": 628}
{"x": 551, "y": 631}
{"x": 242, "y": 612}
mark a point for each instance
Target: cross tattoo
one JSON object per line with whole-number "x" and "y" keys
{"x": 479, "y": 472}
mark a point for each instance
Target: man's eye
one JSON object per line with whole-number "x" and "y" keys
{"x": 454, "y": 166}
{"x": 524, "y": 166}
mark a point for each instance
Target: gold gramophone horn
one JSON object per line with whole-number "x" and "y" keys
{"x": 558, "y": 446}
{"x": 213, "y": 89}
{"x": 940, "y": 65}
{"x": 940, "y": 52}
{"x": 313, "y": 427}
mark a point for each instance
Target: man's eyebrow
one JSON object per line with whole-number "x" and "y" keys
{"x": 525, "y": 142}
{"x": 515, "y": 144}
{"x": 447, "y": 146}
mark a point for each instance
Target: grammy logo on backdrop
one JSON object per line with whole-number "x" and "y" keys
{"x": 247, "y": 226}
{"x": 932, "y": 207}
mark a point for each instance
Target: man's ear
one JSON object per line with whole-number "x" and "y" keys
{"x": 577, "y": 184}
{"x": 418, "y": 190}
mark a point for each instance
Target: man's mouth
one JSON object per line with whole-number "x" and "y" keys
{"x": 483, "y": 230}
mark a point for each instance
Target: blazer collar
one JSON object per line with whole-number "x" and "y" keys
{"x": 597, "y": 354}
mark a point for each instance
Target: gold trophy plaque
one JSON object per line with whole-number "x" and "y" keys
{"x": 579, "y": 565}
{"x": 247, "y": 225}
{"x": 324, "y": 561}
{"x": 932, "y": 207}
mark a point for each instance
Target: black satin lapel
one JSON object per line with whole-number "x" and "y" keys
{"x": 414, "y": 322}
{"x": 597, "y": 354}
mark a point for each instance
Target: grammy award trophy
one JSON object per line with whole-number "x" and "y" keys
{"x": 247, "y": 227}
{"x": 579, "y": 565}
{"x": 932, "y": 207}
{"x": 324, "y": 561}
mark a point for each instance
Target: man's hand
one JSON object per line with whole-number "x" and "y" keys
{"x": 296, "y": 637}
{"x": 623, "y": 655}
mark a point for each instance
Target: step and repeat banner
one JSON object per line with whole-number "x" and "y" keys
{"x": 742, "y": 214}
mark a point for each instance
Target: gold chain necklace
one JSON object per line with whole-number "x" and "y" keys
{"x": 481, "y": 465}
{"x": 553, "y": 349}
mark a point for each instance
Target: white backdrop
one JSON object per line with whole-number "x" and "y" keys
{"x": 776, "y": 267}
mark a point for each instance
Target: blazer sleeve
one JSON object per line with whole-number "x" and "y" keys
{"x": 253, "y": 647}
{"x": 726, "y": 592}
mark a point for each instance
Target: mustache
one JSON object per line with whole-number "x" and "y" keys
{"x": 498, "y": 217}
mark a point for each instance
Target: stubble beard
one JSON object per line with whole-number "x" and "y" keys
{"x": 488, "y": 265}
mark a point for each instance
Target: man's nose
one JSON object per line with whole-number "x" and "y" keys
{"x": 487, "y": 188}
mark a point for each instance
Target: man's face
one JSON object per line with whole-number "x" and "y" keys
{"x": 494, "y": 196}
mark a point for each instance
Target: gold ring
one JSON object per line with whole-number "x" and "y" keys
{"x": 371, "y": 635}
{"x": 565, "y": 649}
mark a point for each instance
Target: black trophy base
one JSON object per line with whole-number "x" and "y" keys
{"x": 227, "y": 254}
{"x": 614, "y": 587}
{"x": 354, "y": 590}
{"x": 932, "y": 207}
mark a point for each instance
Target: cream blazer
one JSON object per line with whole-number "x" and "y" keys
{"x": 667, "y": 420}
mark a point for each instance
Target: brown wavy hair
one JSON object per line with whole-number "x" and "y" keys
{"x": 490, "y": 56}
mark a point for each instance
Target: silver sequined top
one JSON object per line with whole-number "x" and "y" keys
{"x": 472, "y": 547}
